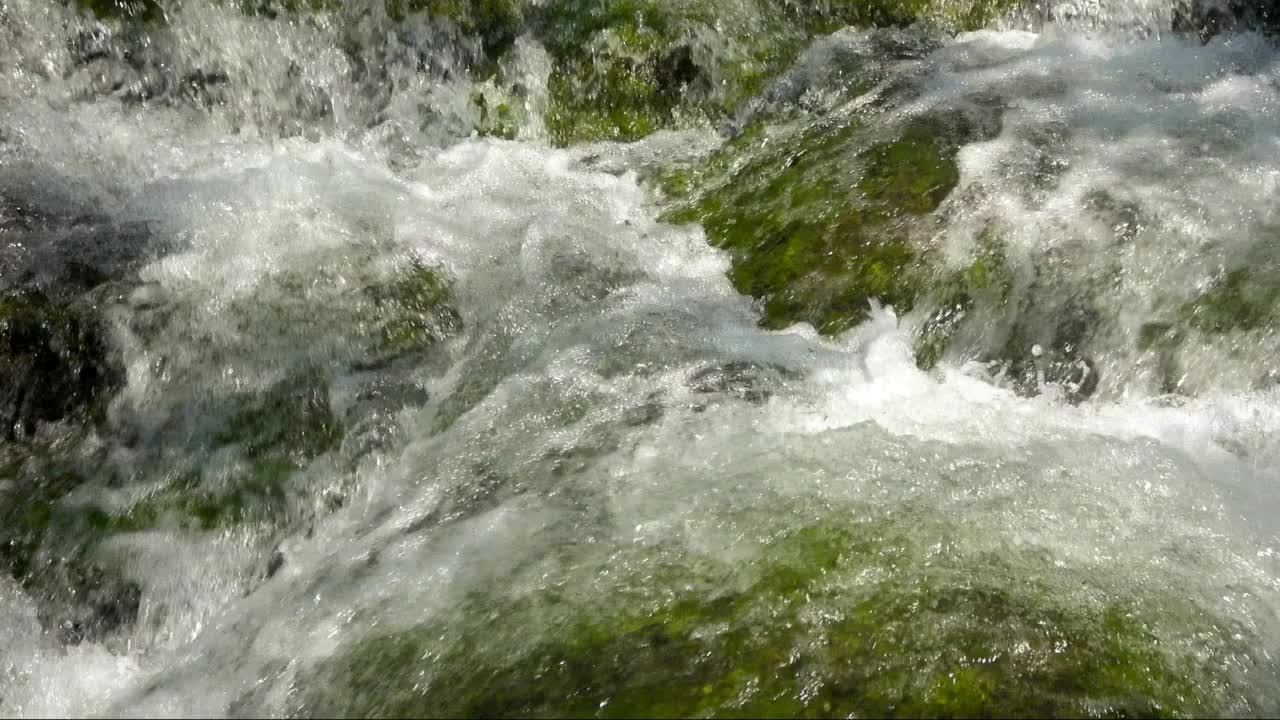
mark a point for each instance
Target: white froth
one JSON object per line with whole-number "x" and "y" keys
{"x": 579, "y": 304}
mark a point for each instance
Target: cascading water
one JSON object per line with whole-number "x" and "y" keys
{"x": 903, "y": 371}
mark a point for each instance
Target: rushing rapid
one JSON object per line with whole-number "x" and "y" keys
{"x": 402, "y": 414}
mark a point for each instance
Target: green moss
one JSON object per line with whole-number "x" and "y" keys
{"x": 1242, "y": 299}
{"x": 619, "y": 102}
{"x": 625, "y": 68}
{"x": 818, "y": 221}
{"x": 29, "y": 486}
{"x": 912, "y": 174}
{"x": 291, "y": 419}
{"x": 412, "y": 312}
{"x": 500, "y": 121}
{"x": 831, "y": 620}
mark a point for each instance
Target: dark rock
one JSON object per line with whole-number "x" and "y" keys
{"x": 51, "y": 241}
{"x": 291, "y": 421}
{"x": 646, "y": 413}
{"x": 274, "y": 563}
{"x": 78, "y": 600}
{"x": 741, "y": 380}
{"x": 1209, "y": 18}
{"x": 92, "y": 44}
{"x": 54, "y": 361}
{"x": 676, "y": 72}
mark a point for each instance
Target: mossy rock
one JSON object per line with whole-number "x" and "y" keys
{"x": 412, "y": 311}
{"x": 987, "y": 280}
{"x": 47, "y": 544}
{"x": 270, "y": 435}
{"x": 275, "y": 433}
{"x": 263, "y": 439}
{"x": 829, "y": 620}
{"x": 625, "y": 68}
{"x": 495, "y": 118}
{"x": 818, "y": 222}
{"x": 621, "y": 70}
{"x": 1243, "y": 299}
{"x": 55, "y": 359}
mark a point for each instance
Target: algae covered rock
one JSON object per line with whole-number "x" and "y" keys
{"x": 1242, "y": 299}
{"x": 819, "y": 221}
{"x": 620, "y": 69}
{"x": 47, "y": 544}
{"x": 829, "y": 619}
{"x": 625, "y": 68}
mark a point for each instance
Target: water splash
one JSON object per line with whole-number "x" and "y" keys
{"x": 599, "y": 420}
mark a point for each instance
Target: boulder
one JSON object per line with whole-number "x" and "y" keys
{"x": 1208, "y": 18}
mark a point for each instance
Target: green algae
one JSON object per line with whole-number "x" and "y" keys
{"x": 412, "y": 311}
{"x": 818, "y": 222}
{"x": 496, "y": 119}
{"x": 1243, "y": 299}
{"x": 625, "y": 68}
{"x": 620, "y": 103}
{"x": 830, "y": 619}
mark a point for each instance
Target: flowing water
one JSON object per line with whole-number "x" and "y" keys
{"x": 593, "y": 482}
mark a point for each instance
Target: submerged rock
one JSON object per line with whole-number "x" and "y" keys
{"x": 830, "y": 619}
{"x": 819, "y": 221}
{"x": 55, "y": 362}
{"x": 49, "y": 545}
{"x": 412, "y": 311}
{"x": 1209, "y": 18}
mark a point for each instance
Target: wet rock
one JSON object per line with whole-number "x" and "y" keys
{"x": 957, "y": 296}
{"x": 921, "y": 636}
{"x": 62, "y": 249}
{"x": 371, "y": 419}
{"x": 1209, "y": 18}
{"x": 49, "y": 545}
{"x": 141, "y": 10}
{"x": 624, "y": 69}
{"x": 91, "y": 606}
{"x": 274, "y": 563}
{"x": 411, "y": 313}
{"x": 91, "y": 44}
{"x": 1049, "y": 347}
{"x": 200, "y": 87}
{"x": 292, "y": 419}
{"x": 818, "y": 220}
{"x": 646, "y": 413}
{"x": 742, "y": 380}
{"x": 1242, "y": 299}
{"x": 55, "y": 361}
{"x": 676, "y": 72}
